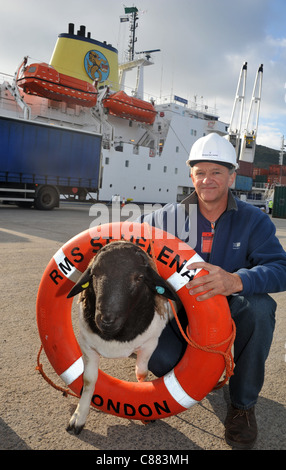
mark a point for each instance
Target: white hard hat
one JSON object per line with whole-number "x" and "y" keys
{"x": 213, "y": 148}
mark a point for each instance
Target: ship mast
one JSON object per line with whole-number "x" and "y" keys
{"x": 134, "y": 63}
{"x": 132, "y": 13}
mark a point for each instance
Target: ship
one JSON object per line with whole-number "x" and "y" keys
{"x": 145, "y": 141}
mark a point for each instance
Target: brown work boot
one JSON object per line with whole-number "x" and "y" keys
{"x": 240, "y": 428}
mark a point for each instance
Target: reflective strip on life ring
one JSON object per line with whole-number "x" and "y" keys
{"x": 209, "y": 324}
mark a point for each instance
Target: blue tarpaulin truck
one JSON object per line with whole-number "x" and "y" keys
{"x": 40, "y": 162}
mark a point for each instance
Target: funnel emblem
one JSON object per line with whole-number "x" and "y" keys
{"x": 96, "y": 65}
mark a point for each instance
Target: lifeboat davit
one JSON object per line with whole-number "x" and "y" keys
{"x": 43, "y": 80}
{"x": 122, "y": 105}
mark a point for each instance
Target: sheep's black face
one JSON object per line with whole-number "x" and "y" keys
{"x": 118, "y": 275}
{"x": 119, "y": 291}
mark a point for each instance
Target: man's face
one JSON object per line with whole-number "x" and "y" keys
{"x": 211, "y": 181}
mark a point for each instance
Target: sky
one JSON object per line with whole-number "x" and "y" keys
{"x": 203, "y": 45}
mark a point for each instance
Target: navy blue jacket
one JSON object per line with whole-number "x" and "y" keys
{"x": 244, "y": 242}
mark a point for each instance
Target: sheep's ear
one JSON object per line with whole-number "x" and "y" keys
{"x": 159, "y": 285}
{"x": 81, "y": 284}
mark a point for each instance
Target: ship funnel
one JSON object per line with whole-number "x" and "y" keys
{"x": 87, "y": 59}
{"x": 71, "y": 28}
{"x": 81, "y": 31}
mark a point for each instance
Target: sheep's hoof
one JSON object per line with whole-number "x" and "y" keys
{"x": 71, "y": 428}
{"x": 141, "y": 377}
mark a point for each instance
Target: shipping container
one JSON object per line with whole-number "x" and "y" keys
{"x": 260, "y": 178}
{"x": 273, "y": 179}
{"x": 277, "y": 170}
{"x": 243, "y": 183}
{"x": 279, "y": 203}
{"x": 245, "y": 168}
{"x": 260, "y": 171}
{"x": 274, "y": 169}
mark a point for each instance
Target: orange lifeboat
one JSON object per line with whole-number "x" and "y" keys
{"x": 122, "y": 105}
{"x": 43, "y": 80}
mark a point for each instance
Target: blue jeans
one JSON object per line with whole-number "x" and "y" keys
{"x": 254, "y": 318}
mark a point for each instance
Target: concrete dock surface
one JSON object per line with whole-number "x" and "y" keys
{"x": 34, "y": 416}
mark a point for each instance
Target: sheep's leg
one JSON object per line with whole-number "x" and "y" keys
{"x": 141, "y": 369}
{"x": 143, "y": 356}
{"x": 91, "y": 364}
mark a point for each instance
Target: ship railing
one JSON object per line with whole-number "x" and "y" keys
{"x": 194, "y": 105}
{"x": 260, "y": 185}
{"x": 5, "y": 77}
{"x": 7, "y": 102}
{"x": 202, "y": 110}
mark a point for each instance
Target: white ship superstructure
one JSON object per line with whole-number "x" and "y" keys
{"x": 148, "y": 163}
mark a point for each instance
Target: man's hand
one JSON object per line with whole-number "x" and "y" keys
{"x": 216, "y": 282}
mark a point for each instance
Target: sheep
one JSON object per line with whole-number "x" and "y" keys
{"x": 122, "y": 309}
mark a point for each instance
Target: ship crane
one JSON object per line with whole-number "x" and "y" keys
{"x": 245, "y": 143}
{"x": 234, "y": 130}
{"x": 248, "y": 144}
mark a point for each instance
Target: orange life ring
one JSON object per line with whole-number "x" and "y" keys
{"x": 210, "y": 324}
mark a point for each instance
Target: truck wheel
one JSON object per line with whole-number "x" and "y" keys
{"x": 82, "y": 194}
{"x": 47, "y": 198}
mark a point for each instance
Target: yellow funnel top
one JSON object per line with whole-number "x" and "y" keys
{"x": 84, "y": 58}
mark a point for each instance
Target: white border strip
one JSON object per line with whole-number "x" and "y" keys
{"x": 73, "y": 372}
{"x": 178, "y": 393}
{"x": 66, "y": 266}
{"x": 179, "y": 280}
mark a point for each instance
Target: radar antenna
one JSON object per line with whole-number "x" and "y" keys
{"x": 148, "y": 53}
